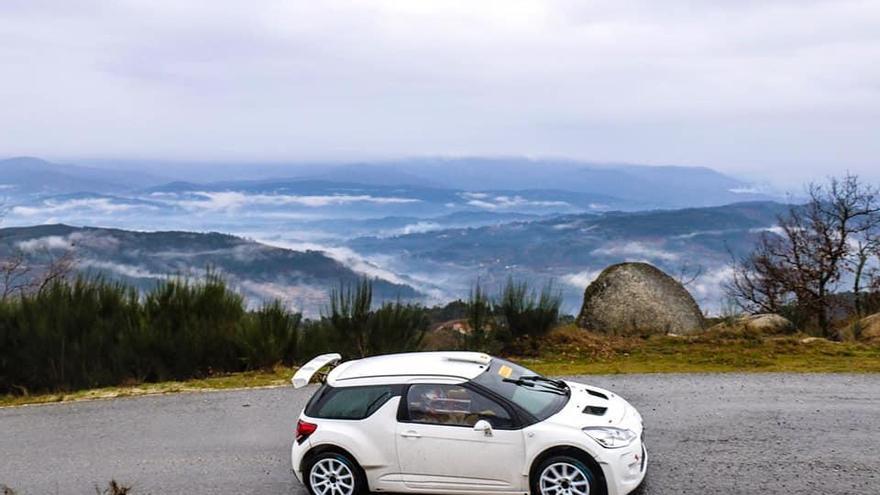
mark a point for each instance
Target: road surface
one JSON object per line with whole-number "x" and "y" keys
{"x": 706, "y": 434}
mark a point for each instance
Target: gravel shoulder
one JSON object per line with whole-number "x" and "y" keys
{"x": 706, "y": 433}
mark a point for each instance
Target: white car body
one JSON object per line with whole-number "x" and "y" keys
{"x": 398, "y": 455}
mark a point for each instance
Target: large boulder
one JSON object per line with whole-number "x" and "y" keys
{"x": 768, "y": 323}
{"x": 869, "y": 329}
{"x": 630, "y": 298}
{"x": 764, "y": 323}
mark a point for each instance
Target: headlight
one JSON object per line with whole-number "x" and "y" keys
{"x": 610, "y": 437}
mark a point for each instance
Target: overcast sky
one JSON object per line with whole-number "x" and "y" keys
{"x": 779, "y": 90}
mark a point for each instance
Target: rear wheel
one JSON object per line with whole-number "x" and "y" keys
{"x": 332, "y": 473}
{"x": 563, "y": 475}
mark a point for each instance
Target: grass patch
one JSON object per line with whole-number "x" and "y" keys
{"x": 280, "y": 375}
{"x": 568, "y": 350}
{"x": 573, "y": 351}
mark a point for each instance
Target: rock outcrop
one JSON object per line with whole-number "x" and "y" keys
{"x": 630, "y": 298}
{"x": 869, "y": 329}
{"x": 765, "y": 323}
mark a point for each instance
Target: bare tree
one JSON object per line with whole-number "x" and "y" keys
{"x": 873, "y": 288}
{"x": 14, "y": 271}
{"x": 20, "y": 276}
{"x": 57, "y": 269}
{"x": 757, "y": 282}
{"x": 849, "y": 212}
{"x": 865, "y": 247}
{"x": 15, "y": 276}
{"x": 805, "y": 262}
{"x": 687, "y": 274}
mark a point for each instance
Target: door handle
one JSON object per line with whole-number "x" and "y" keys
{"x": 410, "y": 434}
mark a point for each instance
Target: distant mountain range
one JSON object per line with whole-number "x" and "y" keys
{"x": 427, "y": 228}
{"x": 28, "y": 176}
{"x": 642, "y": 185}
{"x": 433, "y": 265}
{"x": 299, "y": 278}
{"x": 572, "y": 249}
{"x": 617, "y": 186}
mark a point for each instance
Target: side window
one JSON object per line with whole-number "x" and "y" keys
{"x": 348, "y": 402}
{"x": 454, "y": 405}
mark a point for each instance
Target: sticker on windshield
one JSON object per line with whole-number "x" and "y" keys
{"x": 505, "y": 371}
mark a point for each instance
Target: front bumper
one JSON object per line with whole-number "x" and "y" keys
{"x": 625, "y": 469}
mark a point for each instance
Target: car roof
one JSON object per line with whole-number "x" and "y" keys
{"x": 400, "y": 368}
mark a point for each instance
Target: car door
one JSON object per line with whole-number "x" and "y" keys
{"x": 439, "y": 449}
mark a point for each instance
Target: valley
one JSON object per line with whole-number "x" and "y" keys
{"x": 427, "y": 230}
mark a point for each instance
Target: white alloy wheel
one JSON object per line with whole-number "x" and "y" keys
{"x": 331, "y": 476}
{"x": 563, "y": 478}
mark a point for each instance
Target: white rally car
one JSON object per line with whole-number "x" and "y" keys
{"x": 462, "y": 423}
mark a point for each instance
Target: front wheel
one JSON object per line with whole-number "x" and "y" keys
{"x": 563, "y": 475}
{"x": 332, "y": 473}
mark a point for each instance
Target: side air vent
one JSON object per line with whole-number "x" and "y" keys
{"x": 597, "y": 394}
{"x": 595, "y": 410}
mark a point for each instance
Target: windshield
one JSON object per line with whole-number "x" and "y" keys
{"x": 541, "y": 397}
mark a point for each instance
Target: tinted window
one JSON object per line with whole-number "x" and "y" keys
{"x": 454, "y": 405}
{"x": 539, "y": 400}
{"x": 348, "y": 402}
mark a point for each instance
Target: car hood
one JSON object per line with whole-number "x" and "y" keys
{"x": 593, "y": 406}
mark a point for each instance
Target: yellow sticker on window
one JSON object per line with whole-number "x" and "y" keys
{"x": 505, "y": 371}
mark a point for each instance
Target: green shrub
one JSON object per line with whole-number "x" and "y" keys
{"x": 349, "y": 317}
{"x": 360, "y": 331}
{"x": 69, "y": 335}
{"x": 480, "y": 319}
{"x": 397, "y": 327}
{"x": 526, "y": 313}
{"x": 89, "y": 333}
{"x": 192, "y": 327}
{"x": 269, "y": 336}
{"x": 317, "y": 337}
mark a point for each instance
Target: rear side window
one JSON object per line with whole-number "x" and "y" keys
{"x": 348, "y": 402}
{"x": 454, "y": 405}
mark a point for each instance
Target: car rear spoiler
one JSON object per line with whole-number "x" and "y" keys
{"x": 303, "y": 375}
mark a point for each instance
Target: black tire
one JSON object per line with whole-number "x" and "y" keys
{"x": 535, "y": 479}
{"x": 360, "y": 480}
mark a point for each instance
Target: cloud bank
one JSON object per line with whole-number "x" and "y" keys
{"x": 779, "y": 88}
{"x": 97, "y": 205}
{"x": 233, "y": 200}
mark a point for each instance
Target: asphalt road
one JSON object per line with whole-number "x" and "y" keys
{"x": 706, "y": 434}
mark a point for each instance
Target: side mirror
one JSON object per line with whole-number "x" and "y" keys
{"x": 484, "y": 426}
